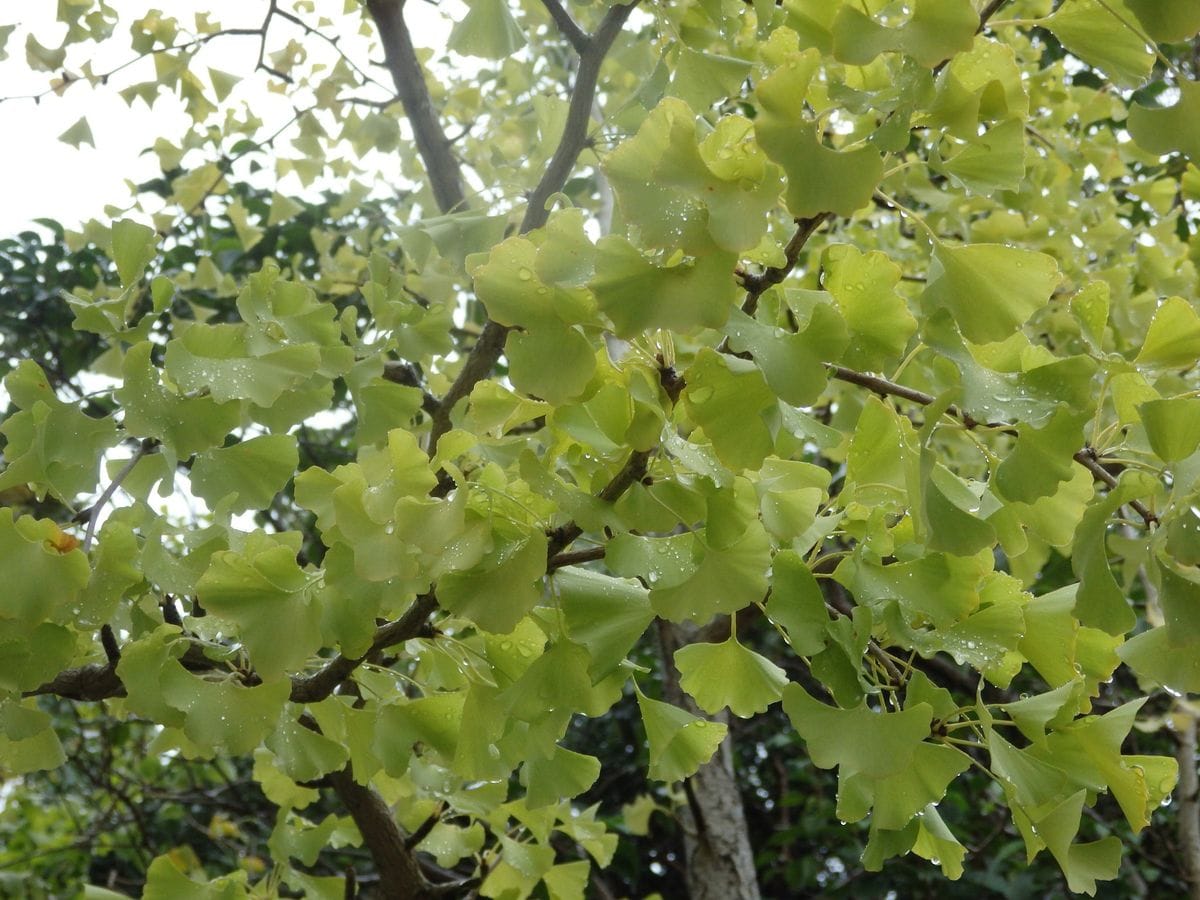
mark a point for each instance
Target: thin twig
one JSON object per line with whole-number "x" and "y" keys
{"x": 1085, "y": 456}
{"x": 574, "y": 557}
{"x": 147, "y": 446}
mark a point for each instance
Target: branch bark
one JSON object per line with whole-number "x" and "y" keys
{"x": 445, "y": 174}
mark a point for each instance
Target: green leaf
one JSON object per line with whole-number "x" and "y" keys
{"x": 992, "y": 161}
{"x": 729, "y": 675}
{"x": 488, "y": 30}
{"x": 819, "y": 178}
{"x": 42, "y": 569}
{"x": 991, "y": 290}
{"x": 877, "y": 318}
{"x": 254, "y": 471}
{"x": 1101, "y": 603}
{"x": 28, "y": 742}
{"x": 133, "y": 247}
{"x": 684, "y": 191}
{"x": 1166, "y": 130}
{"x": 858, "y": 741}
{"x": 796, "y": 603}
{"x": 52, "y": 445}
{"x": 729, "y": 398}
{"x": 680, "y": 743}
{"x": 78, "y": 134}
{"x": 1166, "y": 21}
{"x": 937, "y": 30}
{"x": 605, "y": 614}
{"x": 951, "y": 508}
{"x": 505, "y": 585}
{"x": 165, "y": 882}
{"x": 1043, "y": 458}
{"x": 264, "y": 592}
{"x": 560, "y": 776}
{"x": 792, "y": 363}
{"x": 1173, "y": 427}
{"x": 553, "y": 363}
{"x": 217, "y": 358}
{"x": 184, "y": 424}
{"x": 1173, "y": 340}
{"x": 1097, "y": 32}
{"x": 639, "y": 295}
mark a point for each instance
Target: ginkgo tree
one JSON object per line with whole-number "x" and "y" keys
{"x": 706, "y": 359}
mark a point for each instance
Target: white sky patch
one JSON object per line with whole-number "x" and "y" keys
{"x": 48, "y": 178}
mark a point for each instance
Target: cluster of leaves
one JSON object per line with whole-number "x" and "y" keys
{"x": 956, "y": 577}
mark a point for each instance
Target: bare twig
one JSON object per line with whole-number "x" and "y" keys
{"x": 147, "y": 446}
{"x": 757, "y": 285}
{"x": 574, "y": 557}
{"x": 633, "y": 470}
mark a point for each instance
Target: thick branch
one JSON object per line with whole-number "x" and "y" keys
{"x": 490, "y": 346}
{"x": 445, "y": 176}
{"x": 567, "y": 26}
{"x": 399, "y": 875}
{"x": 1086, "y": 456}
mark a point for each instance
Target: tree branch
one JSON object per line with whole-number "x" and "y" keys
{"x": 319, "y": 685}
{"x": 567, "y": 26}
{"x": 757, "y": 285}
{"x": 633, "y": 470}
{"x": 400, "y": 877}
{"x": 490, "y": 346}
{"x": 147, "y": 446}
{"x": 445, "y": 175}
{"x": 1085, "y": 456}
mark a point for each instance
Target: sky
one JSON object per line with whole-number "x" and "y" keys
{"x": 47, "y": 178}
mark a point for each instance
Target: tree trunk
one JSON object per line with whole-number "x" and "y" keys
{"x": 1187, "y": 793}
{"x": 720, "y": 860}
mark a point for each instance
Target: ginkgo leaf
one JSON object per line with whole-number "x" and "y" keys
{"x": 78, "y": 134}
{"x": 729, "y": 675}
{"x": 1167, "y": 129}
{"x": 820, "y": 179}
{"x": 1173, "y": 427}
{"x": 680, "y": 743}
{"x": 991, "y": 290}
{"x": 1100, "y": 32}
{"x": 1174, "y": 336}
{"x": 255, "y": 470}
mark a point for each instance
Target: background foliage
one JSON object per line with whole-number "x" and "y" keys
{"x": 676, "y": 432}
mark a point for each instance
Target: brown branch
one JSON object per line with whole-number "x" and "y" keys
{"x": 633, "y": 470}
{"x": 319, "y": 685}
{"x": 574, "y": 557}
{"x": 1085, "y": 456}
{"x": 400, "y": 877}
{"x": 490, "y": 346}
{"x": 567, "y": 26}
{"x": 757, "y": 285}
{"x": 575, "y": 137}
{"x": 445, "y": 175}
